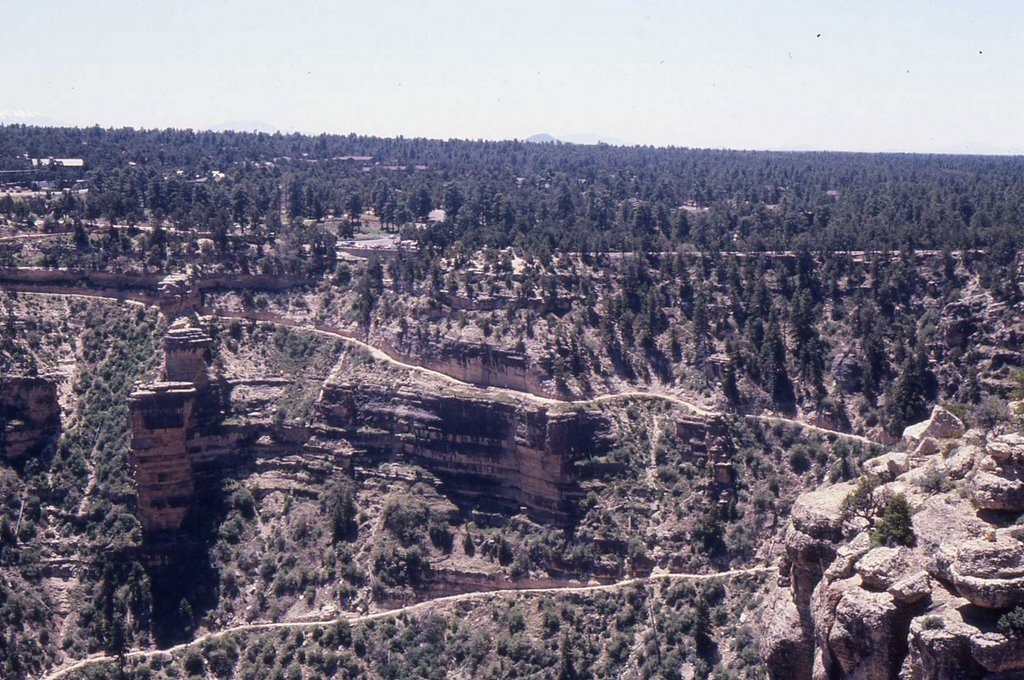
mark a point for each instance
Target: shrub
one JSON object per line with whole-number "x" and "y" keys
{"x": 1011, "y": 624}
{"x": 244, "y": 503}
{"x": 990, "y": 412}
{"x": 405, "y": 518}
{"x": 342, "y": 511}
{"x": 193, "y": 663}
{"x": 441, "y": 534}
{"x": 798, "y": 461}
{"x": 934, "y": 480}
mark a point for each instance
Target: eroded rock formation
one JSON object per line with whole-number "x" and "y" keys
{"x": 164, "y": 417}
{"x": 160, "y": 418}
{"x": 850, "y": 608}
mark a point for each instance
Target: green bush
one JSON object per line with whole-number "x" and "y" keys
{"x": 1011, "y": 624}
{"x": 896, "y": 525}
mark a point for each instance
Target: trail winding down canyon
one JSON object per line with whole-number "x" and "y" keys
{"x": 143, "y": 299}
{"x": 381, "y": 355}
{"x": 79, "y": 664}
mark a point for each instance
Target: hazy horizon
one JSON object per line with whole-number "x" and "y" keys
{"x": 922, "y": 77}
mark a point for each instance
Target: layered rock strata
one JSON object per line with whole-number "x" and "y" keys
{"x": 491, "y": 455}
{"x": 164, "y": 418}
{"x": 188, "y": 430}
{"x": 160, "y": 417}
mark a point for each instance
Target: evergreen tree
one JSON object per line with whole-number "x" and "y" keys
{"x": 895, "y": 527}
{"x": 907, "y": 402}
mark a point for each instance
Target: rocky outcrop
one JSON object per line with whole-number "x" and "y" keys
{"x": 188, "y": 430}
{"x": 476, "y": 363}
{"x": 166, "y": 419}
{"x": 998, "y": 483}
{"x": 857, "y": 631}
{"x": 811, "y": 542}
{"x": 29, "y": 415}
{"x": 160, "y": 417}
{"x": 926, "y": 612}
{"x": 186, "y": 352}
{"x": 178, "y": 294}
{"x": 848, "y": 371}
{"x": 496, "y": 455}
{"x": 987, "y": 573}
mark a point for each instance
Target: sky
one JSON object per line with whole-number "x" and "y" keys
{"x": 938, "y": 76}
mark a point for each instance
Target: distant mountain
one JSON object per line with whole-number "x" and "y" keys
{"x": 542, "y": 138}
{"x": 576, "y": 138}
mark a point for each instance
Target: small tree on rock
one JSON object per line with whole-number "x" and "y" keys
{"x": 896, "y": 526}
{"x": 861, "y": 502}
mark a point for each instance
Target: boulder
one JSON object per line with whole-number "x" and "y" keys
{"x": 881, "y": 567}
{"x": 987, "y": 573}
{"x": 911, "y": 588}
{"x": 975, "y": 436}
{"x": 993, "y": 492}
{"x": 941, "y": 425}
{"x": 928, "y": 446}
{"x": 888, "y": 466}
{"x": 998, "y": 653}
{"x": 962, "y": 460}
{"x": 847, "y": 556}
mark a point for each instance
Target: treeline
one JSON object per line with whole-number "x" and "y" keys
{"x": 540, "y": 197}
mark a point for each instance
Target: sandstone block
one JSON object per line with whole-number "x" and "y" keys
{"x": 993, "y": 492}
{"x": 880, "y": 567}
{"x": 929, "y": 446}
{"x": 998, "y": 653}
{"x": 911, "y": 588}
{"x": 961, "y": 461}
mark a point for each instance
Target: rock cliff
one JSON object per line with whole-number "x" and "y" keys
{"x": 850, "y": 607}
{"x": 160, "y": 417}
{"x": 500, "y": 456}
{"x": 29, "y": 415}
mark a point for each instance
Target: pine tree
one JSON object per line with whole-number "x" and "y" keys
{"x": 896, "y": 527}
{"x": 908, "y": 398}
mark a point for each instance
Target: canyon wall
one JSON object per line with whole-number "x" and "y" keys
{"x": 848, "y": 605}
{"x": 29, "y": 415}
{"x": 491, "y": 455}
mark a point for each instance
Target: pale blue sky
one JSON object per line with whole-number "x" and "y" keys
{"x": 914, "y": 76}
